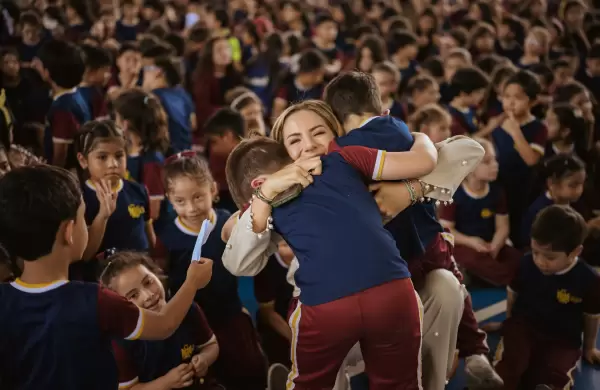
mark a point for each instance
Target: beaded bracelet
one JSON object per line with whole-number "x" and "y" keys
{"x": 258, "y": 194}
{"x": 411, "y": 191}
{"x": 250, "y": 225}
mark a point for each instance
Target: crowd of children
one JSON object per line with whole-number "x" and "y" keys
{"x": 144, "y": 101}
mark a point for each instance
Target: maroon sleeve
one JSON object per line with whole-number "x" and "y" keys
{"x": 205, "y": 94}
{"x": 203, "y": 331}
{"x": 263, "y": 286}
{"x": 591, "y": 300}
{"x": 152, "y": 179}
{"x": 117, "y": 317}
{"x": 64, "y": 126}
{"x": 502, "y": 206}
{"x": 361, "y": 158}
{"x": 333, "y": 147}
{"x": 447, "y": 212}
{"x": 282, "y": 93}
{"x": 456, "y": 128}
{"x": 100, "y": 105}
{"x": 127, "y": 372}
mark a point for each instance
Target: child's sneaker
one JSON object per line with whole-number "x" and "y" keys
{"x": 481, "y": 374}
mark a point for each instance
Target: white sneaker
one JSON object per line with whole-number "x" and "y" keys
{"x": 481, "y": 374}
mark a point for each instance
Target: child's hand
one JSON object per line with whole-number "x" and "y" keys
{"x": 592, "y": 356}
{"x": 199, "y": 272}
{"x": 495, "y": 249}
{"x": 107, "y": 199}
{"x": 479, "y": 245}
{"x": 180, "y": 376}
{"x": 511, "y": 126}
{"x": 200, "y": 365}
{"x": 297, "y": 173}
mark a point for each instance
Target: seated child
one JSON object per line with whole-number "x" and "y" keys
{"x": 478, "y": 220}
{"x": 46, "y": 318}
{"x": 565, "y": 178}
{"x": 191, "y": 190}
{"x": 335, "y": 286}
{"x": 469, "y": 85}
{"x": 554, "y": 298}
{"x": 181, "y": 360}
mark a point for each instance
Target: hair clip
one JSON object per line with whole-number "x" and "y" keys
{"x": 146, "y": 100}
{"x": 180, "y": 155}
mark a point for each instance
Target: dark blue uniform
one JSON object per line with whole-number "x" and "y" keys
{"x": 292, "y": 93}
{"x": 57, "y": 336}
{"x": 146, "y": 169}
{"x": 463, "y": 123}
{"x": 179, "y": 107}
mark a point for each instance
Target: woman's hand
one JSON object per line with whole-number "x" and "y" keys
{"x": 391, "y": 197}
{"x": 300, "y": 172}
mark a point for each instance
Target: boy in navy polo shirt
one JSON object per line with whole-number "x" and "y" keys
{"x": 419, "y": 236}
{"x": 554, "y": 298}
{"x": 46, "y": 318}
{"x": 61, "y": 65}
{"x": 353, "y": 283}
{"x": 468, "y": 85}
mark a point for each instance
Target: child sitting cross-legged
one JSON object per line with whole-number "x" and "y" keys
{"x": 478, "y": 219}
{"x": 554, "y": 298}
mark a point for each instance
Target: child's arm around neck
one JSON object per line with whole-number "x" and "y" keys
{"x": 419, "y": 161}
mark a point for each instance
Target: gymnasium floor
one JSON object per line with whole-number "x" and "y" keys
{"x": 490, "y": 305}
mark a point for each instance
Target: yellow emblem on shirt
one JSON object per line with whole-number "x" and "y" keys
{"x": 565, "y": 297}
{"x": 136, "y": 211}
{"x": 128, "y": 175}
{"x": 486, "y": 213}
{"x": 187, "y": 351}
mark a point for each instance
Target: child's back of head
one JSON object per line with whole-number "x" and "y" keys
{"x": 353, "y": 94}
{"x": 559, "y": 229}
{"x": 62, "y": 62}
{"x": 565, "y": 177}
{"x": 251, "y": 159}
{"x": 35, "y": 203}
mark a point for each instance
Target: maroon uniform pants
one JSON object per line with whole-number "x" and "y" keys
{"x": 438, "y": 255}
{"x": 525, "y": 358}
{"x": 498, "y": 271}
{"x": 241, "y": 365}
{"x": 386, "y": 320}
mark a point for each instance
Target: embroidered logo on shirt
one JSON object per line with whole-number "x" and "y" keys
{"x": 486, "y": 213}
{"x": 187, "y": 352}
{"x": 565, "y": 297}
{"x": 136, "y": 211}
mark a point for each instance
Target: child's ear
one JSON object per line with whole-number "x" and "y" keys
{"x": 82, "y": 161}
{"x": 257, "y": 182}
{"x": 69, "y": 230}
{"x": 385, "y": 113}
{"x": 215, "y": 189}
{"x": 576, "y": 252}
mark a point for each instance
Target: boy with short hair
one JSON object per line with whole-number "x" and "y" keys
{"x": 324, "y": 40}
{"x": 403, "y": 47}
{"x": 468, "y": 85}
{"x": 98, "y": 66}
{"x": 61, "y": 65}
{"x": 31, "y": 36}
{"x": 554, "y": 298}
{"x": 46, "y": 318}
{"x": 224, "y": 131}
{"x": 375, "y": 303}
{"x": 354, "y": 99}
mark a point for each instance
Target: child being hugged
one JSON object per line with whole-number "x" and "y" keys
{"x": 144, "y": 123}
{"x": 117, "y": 210}
{"x": 180, "y": 361}
{"x": 519, "y": 142}
{"x": 564, "y": 178}
{"x": 478, "y": 220}
{"x": 554, "y": 298}
{"x": 191, "y": 190}
{"x": 44, "y": 316}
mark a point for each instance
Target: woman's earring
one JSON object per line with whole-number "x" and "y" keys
{"x": 216, "y": 199}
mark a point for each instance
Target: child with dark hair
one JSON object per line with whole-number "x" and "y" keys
{"x": 98, "y": 65}
{"x": 181, "y": 360}
{"x": 403, "y": 49}
{"x": 589, "y": 73}
{"x": 566, "y": 131}
{"x": 45, "y": 317}
{"x": 478, "y": 220}
{"x": 162, "y": 77}
{"x": 192, "y": 191}
{"x": 324, "y": 38}
{"x": 468, "y": 86}
{"x": 144, "y": 123}
{"x": 554, "y": 298}
{"x": 31, "y": 36}
{"x": 218, "y": 21}
{"x": 417, "y": 233}
{"x": 117, "y": 210}
{"x": 128, "y": 71}
{"x": 61, "y": 64}
{"x": 520, "y": 142}
{"x": 128, "y": 27}
{"x": 224, "y": 131}
{"x": 304, "y": 84}
{"x": 564, "y": 177}
{"x": 387, "y": 77}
